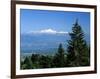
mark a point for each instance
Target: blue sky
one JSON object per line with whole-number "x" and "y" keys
{"x": 39, "y": 20}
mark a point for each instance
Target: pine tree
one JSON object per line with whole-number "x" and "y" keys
{"x": 27, "y": 63}
{"x": 35, "y": 60}
{"x": 45, "y": 61}
{"x": 78, "y": 50}
{"x": 59, "y": 59}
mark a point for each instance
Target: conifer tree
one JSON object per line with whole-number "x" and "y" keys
{"x": 45, "y": 61}
{"x": 59, "y": 59}
{"x": 27, "y": 63}
{"x": 78, "y": 50}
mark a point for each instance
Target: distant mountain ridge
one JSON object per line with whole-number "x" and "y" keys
{"x": 43, "y": 43}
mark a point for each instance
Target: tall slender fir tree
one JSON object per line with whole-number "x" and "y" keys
{"x": 78, "y": 50}
{"x": 59, "y": 58}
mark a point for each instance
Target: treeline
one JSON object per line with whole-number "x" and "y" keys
{"x": 78, "y": 53}
{"x": 45, "y": 61}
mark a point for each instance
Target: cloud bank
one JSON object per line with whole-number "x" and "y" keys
{"x": 49, "y": 31}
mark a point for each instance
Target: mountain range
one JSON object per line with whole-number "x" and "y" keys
{"x": 44, "y": 42}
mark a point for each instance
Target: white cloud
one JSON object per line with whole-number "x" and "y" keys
{"x": 49, "y": 31}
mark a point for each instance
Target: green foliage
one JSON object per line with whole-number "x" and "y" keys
{"x": 45, "y": 61}
{"x": 35, "y": 58}
{"x": 59, "y": 58}
{"x": 27, "y": 64}
{"x": 78, "y": 50}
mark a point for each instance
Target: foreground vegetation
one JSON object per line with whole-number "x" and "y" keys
{"x": 78, "y": 53}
